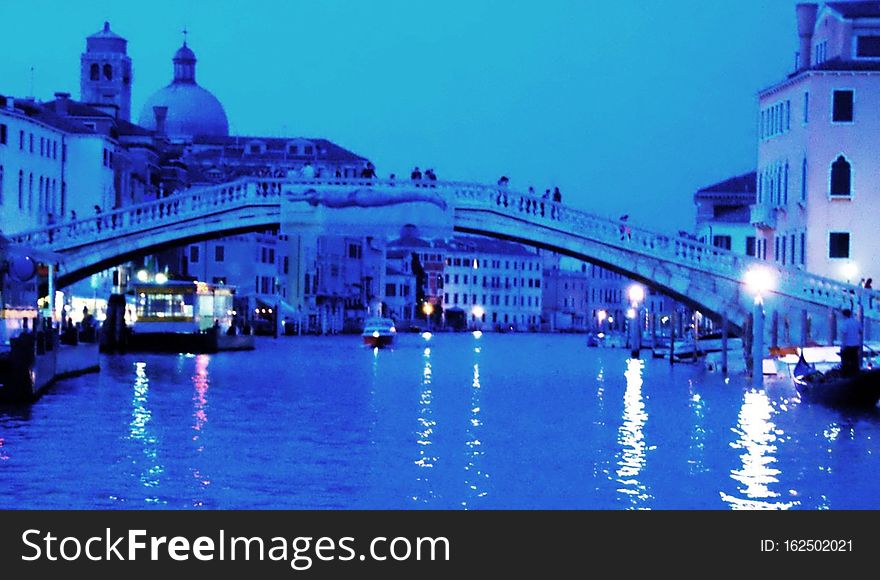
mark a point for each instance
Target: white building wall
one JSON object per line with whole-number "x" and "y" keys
{"x": 807, "y": 207}
{"x": 89, "y": 174}
{"x": 504, "y": 288}
{"x": 796, "y": 222}
{"x": 25, "y": 204}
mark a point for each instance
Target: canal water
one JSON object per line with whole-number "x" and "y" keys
{"x": 456, "y": 422}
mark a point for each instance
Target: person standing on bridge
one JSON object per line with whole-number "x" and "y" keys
{"x": 557, "y": 195}
{"x": 416, "y": 174}
{"x": 850, "y": 344}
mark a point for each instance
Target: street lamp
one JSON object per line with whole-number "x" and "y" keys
{"x": 478, "y": 312}
{"x": 143, "y": 275}
{"x": 160, "y": 278}
{"x": 759, "y": 281}
{"x": 428, "y": 310}
{"x": 636, "y": 296}
{"x": 601, "y": 315}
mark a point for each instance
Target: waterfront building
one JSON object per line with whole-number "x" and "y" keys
{"x": 50, "y": 165}
{"x": 491, "y": 284}
{"x": 579, "y": 297}
{"x": 249, "y": 262}
{"x": 400, "y": 296}
{"x": 724, "y": 214}
{"x": 818, "y": 157}
{"x": 426, "y": 260}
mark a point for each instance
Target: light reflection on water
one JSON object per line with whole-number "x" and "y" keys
{"x": 424, "y": 433}
{"x": 631, "y": 437}
{"x": 475, "y": 476}
{"x": 200, "y": 415}
{"x": 506, "y": 421}
{"x": 698, "y": 431}
{"x": 758, "y": 438}
{"x": 140, "y": 431}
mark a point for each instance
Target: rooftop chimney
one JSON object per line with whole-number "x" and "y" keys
{"x": 62, "y": 100}
{"x": 161, "y": 113}
{"x": 806, "y": 21}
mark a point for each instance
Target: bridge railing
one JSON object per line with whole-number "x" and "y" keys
{"x": 789, "y": 281}
{"x": 189, "y": 204}
{"x": 201, "y": 201}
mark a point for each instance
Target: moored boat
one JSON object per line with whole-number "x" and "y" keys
{"x": 379, "y": 332}
{"x": 837, "y": 390}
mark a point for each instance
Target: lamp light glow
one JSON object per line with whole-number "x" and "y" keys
{"x": 636, "y": 293}
{"x": 759, "y": 280}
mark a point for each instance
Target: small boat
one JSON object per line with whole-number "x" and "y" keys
{"x": 379, "y": 332}
{"x": 708, "y": 343}
{"x": 834, "y": 389}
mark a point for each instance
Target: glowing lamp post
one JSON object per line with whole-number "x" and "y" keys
{"x": 636, "y": 296}
{"x": 600, "y": 317}
{"x": 428, "y": 310}
{"x": 759, "y": 281}
{"x": 478, "y": 312}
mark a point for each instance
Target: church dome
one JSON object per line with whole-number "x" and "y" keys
{"x": 189, "y": 110}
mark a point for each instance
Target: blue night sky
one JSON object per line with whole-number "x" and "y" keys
{"x": 628, "y": 106}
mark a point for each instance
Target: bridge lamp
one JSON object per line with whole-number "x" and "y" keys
{"x": 601, "y": 316}
{"x": 850, "y": 271}
{"x": 758, "y": 280}
{"x": 160, "y": 278}
{"x": 142, "y": 275}
{"x": 428, "y": 308}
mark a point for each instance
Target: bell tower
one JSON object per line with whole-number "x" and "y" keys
{"x": 105, "y": 73}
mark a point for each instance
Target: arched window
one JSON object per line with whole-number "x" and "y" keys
{"x": 841, "y": 177}
{"x": 108, "y": 72}
{"x": 95, "y": 72}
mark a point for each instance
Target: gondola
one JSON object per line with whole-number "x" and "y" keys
{"x": 837, "y": 390}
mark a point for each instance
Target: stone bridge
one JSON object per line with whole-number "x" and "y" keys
{"x": 707, "y": 278}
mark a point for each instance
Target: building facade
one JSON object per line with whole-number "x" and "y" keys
{"x": 492, "y": 285}
{"x": 818, "y": 156}
{"x": 724, "y": 214}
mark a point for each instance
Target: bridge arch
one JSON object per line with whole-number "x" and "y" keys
{"x": 704, "y": 277}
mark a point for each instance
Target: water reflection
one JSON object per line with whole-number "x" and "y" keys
{"x": 426, "y": 424}
{"x": 697, "y": 448}
{"x": 200, "y": 416}
{"x": 758, "y": 436}
{"x": 140, "y": 432}
{"x": 475, "y": 477}
{"x": 631, "y": 438}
